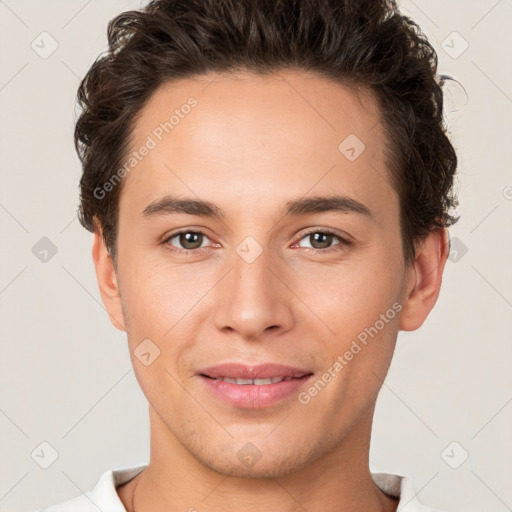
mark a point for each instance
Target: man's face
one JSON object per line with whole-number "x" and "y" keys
{"x": 257, "y": 285}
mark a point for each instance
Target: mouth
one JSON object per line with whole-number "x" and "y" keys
{"x": 255, "y": 382}
{"x": 243, "y": 371}
{"x": 253, "y": 387}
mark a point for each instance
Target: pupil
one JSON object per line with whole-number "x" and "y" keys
{"x": 327, "y": 239}
{"x": 187, "y": 240}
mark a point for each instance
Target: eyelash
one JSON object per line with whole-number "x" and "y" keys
{"x": 192, "y": 252}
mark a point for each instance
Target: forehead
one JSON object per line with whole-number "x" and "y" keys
{"x": 245, "y": 135}
{"x": 304, "y": 103}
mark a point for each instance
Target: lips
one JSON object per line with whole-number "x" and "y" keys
{"x": 255, "y": 374}
{"x": 253, "y": 386}
{"x": 256, "y": 382}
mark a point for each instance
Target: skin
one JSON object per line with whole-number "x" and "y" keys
{"x": 252, "y": 144}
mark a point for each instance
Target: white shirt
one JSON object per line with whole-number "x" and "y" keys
{"x": 104, "y": 496}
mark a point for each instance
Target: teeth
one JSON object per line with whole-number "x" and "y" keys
{"x": 238, "y": 381}
{"x": 257, "y": 382}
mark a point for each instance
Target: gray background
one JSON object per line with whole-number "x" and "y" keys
{"x": 66, "y": 376}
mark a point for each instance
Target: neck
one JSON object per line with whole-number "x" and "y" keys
{"x": 337, "y": 480}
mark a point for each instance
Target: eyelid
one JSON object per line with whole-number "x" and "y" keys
{"x": 329, "y": 231}
{"x": 201, "y": 231}
{"x": 344, "y": 240}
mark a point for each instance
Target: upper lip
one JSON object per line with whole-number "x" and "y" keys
{"x": 260, "y": 371}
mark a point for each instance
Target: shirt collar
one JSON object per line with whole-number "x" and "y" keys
{"x": 396, "y": 486}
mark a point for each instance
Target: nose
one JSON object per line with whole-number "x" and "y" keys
{"x": 252, "y": 300}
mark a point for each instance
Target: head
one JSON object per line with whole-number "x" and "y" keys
{"x": 267, "y": 123}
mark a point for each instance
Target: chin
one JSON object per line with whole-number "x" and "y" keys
{"x": 239, "y": 458}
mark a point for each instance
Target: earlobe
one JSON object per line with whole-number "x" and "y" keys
{"x": 424, "y": 279}
{"x": 107, "y": 281}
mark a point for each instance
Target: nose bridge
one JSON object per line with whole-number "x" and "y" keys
{"x": 252, "y": 299}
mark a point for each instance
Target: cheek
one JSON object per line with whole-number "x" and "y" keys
{"x": 166, "y": 304}
{"x": 350, "y": 296}
{"x": 358, "y": 305}
{"x": 156, "y": 295}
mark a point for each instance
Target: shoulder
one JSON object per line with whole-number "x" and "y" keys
{"x": 80, "y": 503}
{"x": 102, "y": 497}
{"x": 401, "y": 487}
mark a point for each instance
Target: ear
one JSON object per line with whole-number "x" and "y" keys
{"x": 107, "y": 280}
{"x": 423, "y": 279}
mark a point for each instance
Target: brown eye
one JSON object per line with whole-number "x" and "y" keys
{"x": 191, "y": 240}
{"x": 320, "y": 240}
{"x": 188, "y": 240}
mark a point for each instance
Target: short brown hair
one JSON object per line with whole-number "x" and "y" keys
{"x": 363, "y": 43}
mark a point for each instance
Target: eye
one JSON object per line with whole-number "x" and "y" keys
{"x": 322, "y": 240}
{"x": 190, "y": 241}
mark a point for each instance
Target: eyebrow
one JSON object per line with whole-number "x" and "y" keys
{"x": 304, "y": 206}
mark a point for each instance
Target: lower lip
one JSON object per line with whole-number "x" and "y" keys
{"x": 252, "y": 396}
